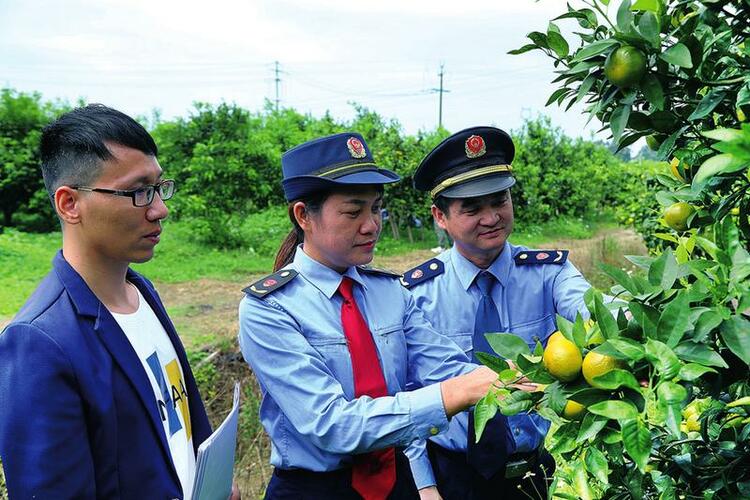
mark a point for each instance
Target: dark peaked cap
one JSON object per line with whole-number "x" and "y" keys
{"x": 472, "y": 162}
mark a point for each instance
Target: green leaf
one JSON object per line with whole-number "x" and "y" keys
{"x": 485, "y": 409}
{"x": 565, "y": 327}
{"x": 707, "y": 322}
{"x": 614, "y": 409}
{"x": 646, "y": 316}
{"x": 673, "y": 322}
{"x": 589, "y": 396}
{"x": 604, "y": 318}
{"x": 507, "y": 345}
{"x": 664, "y": 270}
{"x": 671, "y": 396}
{"x": 540, "y": 39}
{"x": 724, "y": 134}
{"x": 743, "y": 95}
{"x": 700, "y": 353}
{"x": 596, "y": 464}
{"x": 497, "y": 364}
{"x": 581, "y": 481}
{"x": 590, "y": 427}
{"x": 637, "y": 442}
{"x": 694, "y": 371}
{"x": 585, "y": 86}
{"x": 620, "y": 277}
{"x": 618, "y": 120}
{"x": 719, "y": 164}
{"x": 663, "y": 358}
{"x": 556, "y": 95}
{"x": 594, "y": 49}
{"x": 679, "y": 55}
{"x": 735, "y": 332}
{"x": 624, "y": 16}
{"x": 557, "y": 43}
{"x": 614, "y": 379}
{"x": 648, "y": 27}
{"x": 648, "y": 5}
{"x": 563, "y": 440}
{"x": 653, "y": 91}
{"x": 522, "y": 50}
{"x": 516, "y": 402}
{"x": 668, "y": 144}
{"x": 707, "y": 104}
{"x": 630, "y": 348}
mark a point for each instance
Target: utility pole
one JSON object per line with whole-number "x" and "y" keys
{"x": 277, "y": 80}
{"x": 440, "y": 91}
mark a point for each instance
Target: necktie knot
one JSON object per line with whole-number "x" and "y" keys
{"x": 485, "y": 281}
{"x": 345, "y": 289}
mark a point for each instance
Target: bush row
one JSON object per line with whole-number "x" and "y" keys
{"x": 226, "y": 161}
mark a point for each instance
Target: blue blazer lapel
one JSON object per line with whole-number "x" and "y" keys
{"x": 118, "y": 345}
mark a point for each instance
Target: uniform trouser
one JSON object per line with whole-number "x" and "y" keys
{"x": 457, "y": 480}
{"x": 300, "y": 484}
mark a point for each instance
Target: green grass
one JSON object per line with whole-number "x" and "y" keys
{"x": 25, "y": 258}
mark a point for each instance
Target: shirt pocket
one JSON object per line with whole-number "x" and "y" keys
{"x": 539, "y": 329}
{"x": 464, "y": 340}
{"x": 391, "y": 345}
{"x": 333, "y": 350}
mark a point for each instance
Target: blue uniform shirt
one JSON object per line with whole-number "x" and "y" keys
{"x": 527, "y": 297}
{"x": 294, "y": 342}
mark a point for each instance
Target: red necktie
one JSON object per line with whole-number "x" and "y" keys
{"x": 374, "y": 473}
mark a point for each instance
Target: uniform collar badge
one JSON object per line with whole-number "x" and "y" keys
{"x": 475, "y": 146}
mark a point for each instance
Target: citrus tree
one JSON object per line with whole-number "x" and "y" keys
{"x": 649, "y": 396}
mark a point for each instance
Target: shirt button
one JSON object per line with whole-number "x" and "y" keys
{"x": 517, "y": 431}
{"x": 434, "y": 430}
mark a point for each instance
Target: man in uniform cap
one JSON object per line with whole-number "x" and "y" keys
{"x": 485, "y": 284}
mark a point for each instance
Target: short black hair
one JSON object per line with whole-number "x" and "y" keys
{"x": 73, "y": 147}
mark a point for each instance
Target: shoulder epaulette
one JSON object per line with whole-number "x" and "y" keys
{"x": 382, "y": 272}
{"x": 272, "y": 282}
{"x": 541, "y": 257}
{"x": 423, "y": 272}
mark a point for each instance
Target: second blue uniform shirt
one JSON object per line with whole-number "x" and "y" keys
{"x": 527, "y": 297}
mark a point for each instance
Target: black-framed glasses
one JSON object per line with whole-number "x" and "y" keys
{"x": 142, "y": 196}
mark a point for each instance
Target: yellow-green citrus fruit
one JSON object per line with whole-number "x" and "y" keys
{"x": 676, "y": 215}
{"x": 562, "y": 358}
{"x": 741, "y": 115}
{"x": 595, "y": 364}
{"x": 625, "y": 66}
{"x": 735, "y": 211}
{"x": 573, "y": 410}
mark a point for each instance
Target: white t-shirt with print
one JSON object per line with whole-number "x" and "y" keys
{"x": 157, "y": 354}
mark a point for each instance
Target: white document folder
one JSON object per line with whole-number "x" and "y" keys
{"x": 214, "y": 463}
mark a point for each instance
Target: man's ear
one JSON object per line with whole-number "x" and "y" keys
{"x": 67, "y": 205}
{"x": 301, "y": 215}
{"x": 439, "y": 217}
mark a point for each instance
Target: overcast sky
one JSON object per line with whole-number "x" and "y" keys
{"x": 140, "y": 55}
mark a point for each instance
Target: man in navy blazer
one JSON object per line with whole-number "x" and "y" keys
{"x": 88, "y": 408}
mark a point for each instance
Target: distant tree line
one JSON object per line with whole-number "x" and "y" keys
{"x": 227, "y": 162}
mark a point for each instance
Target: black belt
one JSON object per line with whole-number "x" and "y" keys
{"x": 302, "y": 474}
